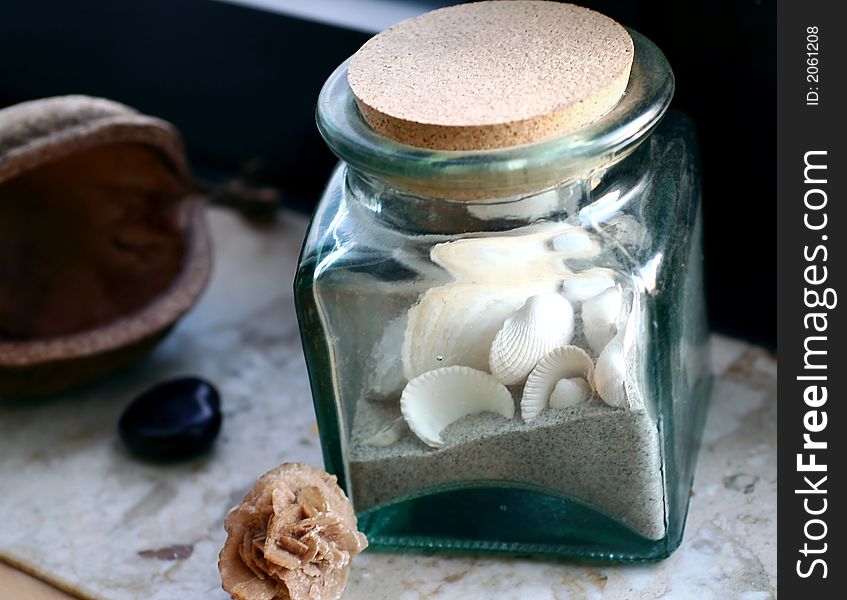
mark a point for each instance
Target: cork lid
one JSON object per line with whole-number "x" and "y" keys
{"x": 491, "y": 74}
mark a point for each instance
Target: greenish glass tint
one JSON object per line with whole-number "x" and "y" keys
{"x": 632, "y": 181}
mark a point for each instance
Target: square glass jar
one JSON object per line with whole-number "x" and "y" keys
{"x": 415, "y": 263}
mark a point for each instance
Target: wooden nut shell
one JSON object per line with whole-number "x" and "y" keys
{"x": 103, "y": 243}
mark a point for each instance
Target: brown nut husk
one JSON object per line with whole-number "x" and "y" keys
{"x": 103, "y": 243}
{"x": 292, "y": 538}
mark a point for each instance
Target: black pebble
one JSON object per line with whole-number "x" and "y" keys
{"x": 175, "y": 419}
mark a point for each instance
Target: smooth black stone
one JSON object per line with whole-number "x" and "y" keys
{"x": 175, "y": 419}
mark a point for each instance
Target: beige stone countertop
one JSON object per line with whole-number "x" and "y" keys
{"x": 77, "y": 510}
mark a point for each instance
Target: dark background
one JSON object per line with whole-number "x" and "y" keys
{"x": 241, "y": 85}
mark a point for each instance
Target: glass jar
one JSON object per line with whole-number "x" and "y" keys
{"x": 420, "y": 264}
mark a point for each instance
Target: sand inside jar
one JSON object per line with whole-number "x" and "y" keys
{"x": 605, "y": 457}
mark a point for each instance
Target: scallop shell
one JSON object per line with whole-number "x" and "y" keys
{"x": 545, "y": 322}
{"x": 600, "y": 316}
{"x": 613, "y": 379}
{"x": 570, "y": 392}
{"x": 437, "y": 398}
{"x": 562, "y": 363}
{"x": 455, "y": 324}
{"x": 586, "y": 285}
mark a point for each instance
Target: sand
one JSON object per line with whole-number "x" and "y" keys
{"x": 608, "y": 458}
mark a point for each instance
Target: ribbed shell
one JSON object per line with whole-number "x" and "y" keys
{"x": 455, "y": 324}
{"x": 437, "y": 398}
{"x": 562, "y": 363}
{"x": 545, "y": 322}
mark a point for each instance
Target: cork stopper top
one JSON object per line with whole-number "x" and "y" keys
{"x": 491, "y": 74}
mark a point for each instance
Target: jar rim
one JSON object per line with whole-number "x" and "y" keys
{"x": 500, "y": 172}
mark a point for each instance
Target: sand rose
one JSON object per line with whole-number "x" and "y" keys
{"x": 292, "y": 538}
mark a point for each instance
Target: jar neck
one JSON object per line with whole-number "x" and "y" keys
{"x": 586, "y": 200}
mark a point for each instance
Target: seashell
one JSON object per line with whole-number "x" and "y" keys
{"x": 600, "y": 315}
{"x": 545, "y": 322}
{"x": 614, "y": 383}
{"x": 575, "y": 243}
{"x": 432, "y": 401}
{"x": 570, "y": 392}
{"x": 390, "y": 434}
{"x": 565, "y": 362}
{"x": 584, "y": 286}
{"x": 456, "y": 324}
{"x": 521, "y": 257}
{"x": 610, "y": 374}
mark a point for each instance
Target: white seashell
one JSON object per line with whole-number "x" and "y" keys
{"x": 584, "y": 286}
{"x": 455, "y": 324}
{"x": 610, "y": 374}
{"x": 575, "y": 243}
{"x": 600, "y": 316}
{"x": 614, "y": 381}
{"x": 545, "y": 322}
{"x": 389, "y": 434}
{"x": 570, "y": 392}
{"x": 437, "y": 398}
{"x": 562, "y": 363}
{"x": 523, "y": 256}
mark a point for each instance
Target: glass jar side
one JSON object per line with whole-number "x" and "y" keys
{"x": 681, "y": 374}
{"x": 319, "y": 243}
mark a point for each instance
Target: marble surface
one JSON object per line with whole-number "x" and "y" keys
{"x": 77, "y": 510}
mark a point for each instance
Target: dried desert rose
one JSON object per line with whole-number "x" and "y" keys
{"x": 292, "y": 538}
